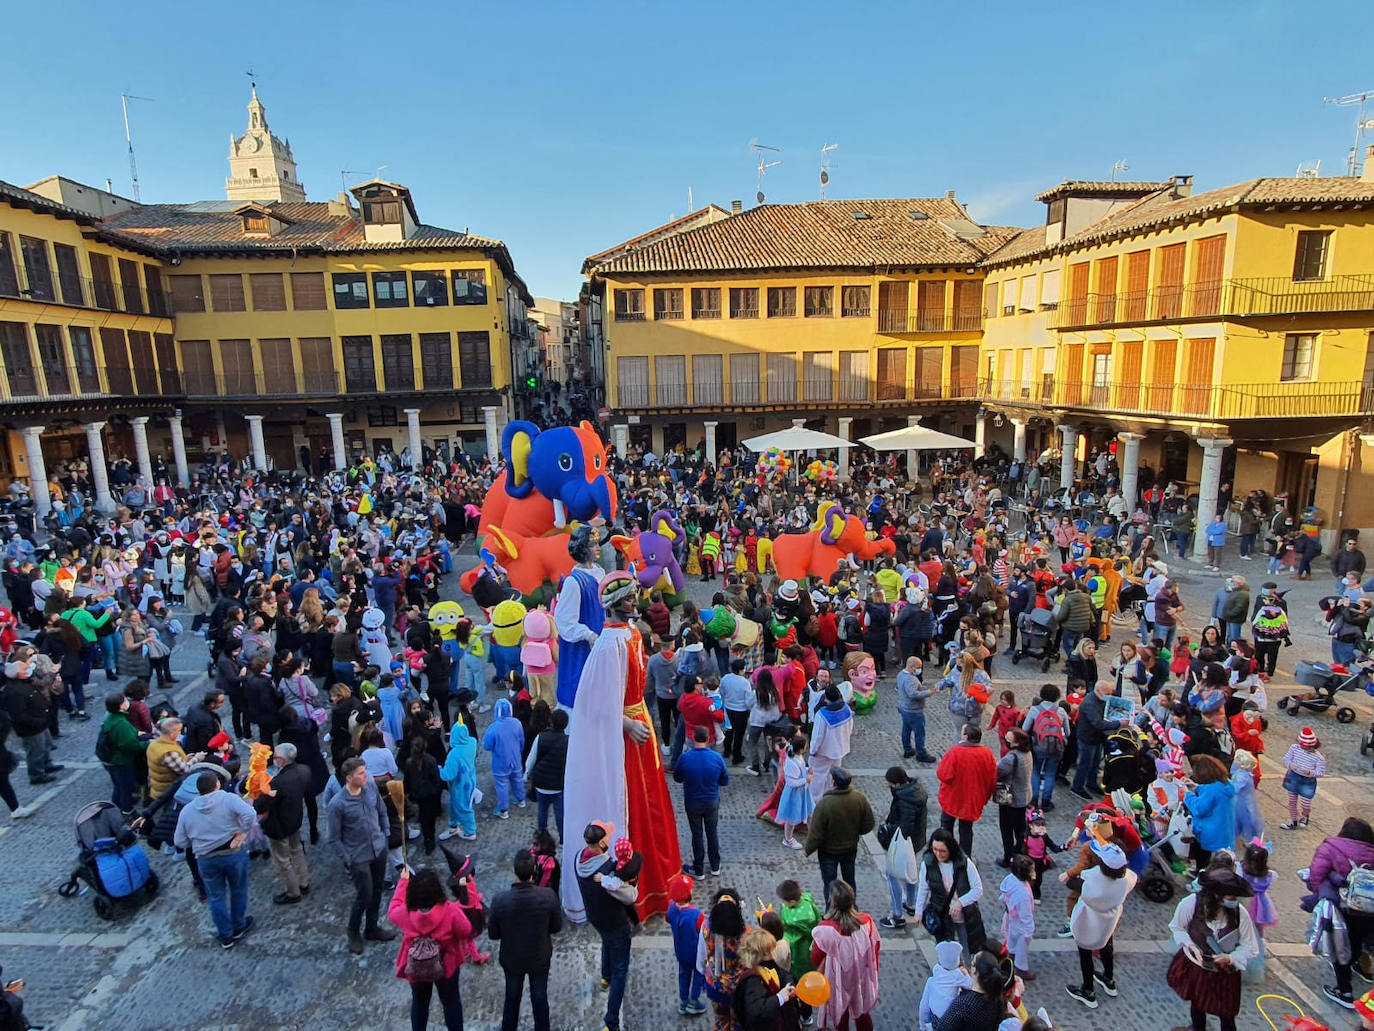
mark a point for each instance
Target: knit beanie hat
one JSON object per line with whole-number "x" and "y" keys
{"x": 1308, "y": 738}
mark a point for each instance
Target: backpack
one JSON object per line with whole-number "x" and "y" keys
{"x": 1359, "y": 889}
{"x": 853, "y": 630}
{"x": 424, "y": 960}
{"x": 104, "y": 746}
{"x": 1047, "y": 732}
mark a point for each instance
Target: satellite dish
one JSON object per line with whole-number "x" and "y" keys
{"x": 759, "y": 196}
{"x": 825, "y": 177}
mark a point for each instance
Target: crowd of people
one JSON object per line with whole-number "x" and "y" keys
{"x": 314, "y": 594}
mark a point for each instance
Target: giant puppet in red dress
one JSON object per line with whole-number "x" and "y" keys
{"x": 615, "y": 769}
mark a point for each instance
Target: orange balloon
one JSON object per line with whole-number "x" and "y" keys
{"x": 813, "y": 989}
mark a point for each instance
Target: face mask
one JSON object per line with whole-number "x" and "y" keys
{"x": 1230, "y": 903}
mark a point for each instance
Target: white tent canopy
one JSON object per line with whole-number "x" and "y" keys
{"x": 796, "y": 438}
{"x": 916, "y": 438}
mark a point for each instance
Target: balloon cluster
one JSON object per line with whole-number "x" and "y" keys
{"x": 823, "y": 470}
{"x": 774, "y": 460}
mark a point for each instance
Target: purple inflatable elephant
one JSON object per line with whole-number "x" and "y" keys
{"x": 651, "y": 553}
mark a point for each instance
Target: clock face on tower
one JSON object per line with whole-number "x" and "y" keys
{"x": 255, "y": 144}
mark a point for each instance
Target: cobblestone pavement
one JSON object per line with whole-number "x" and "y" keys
{"x": 159, "y": 967}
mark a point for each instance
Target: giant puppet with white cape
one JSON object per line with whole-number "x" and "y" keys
{"x": 612, "y": 777}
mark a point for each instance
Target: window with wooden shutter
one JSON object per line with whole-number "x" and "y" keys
{"x": 968, "y": 316}
{"x": 744, "y": 379}
{"x": 891, "y": 373}
{"x": 226, "y": 292}
{"x": 83, "y": 359}
{"x": 1209, "y": 256}
{"x": 37, "y": 269}
{"x": 1104, "y": 310}
{"x": 929, "y": 372}
{"x": 68, "y": 274}
{"x": 708, "y": 379}
{"x": 930, "y": 305}
{"x": 102, "y": 281}
{"x": 1137, "y": 286}
{"x": 744, "y": 302}
{"x": 474, "y": 359}
{"x": 782, "y": 302}
{"x": 706, "y": 302}
{"x": 269, "y": 291}
{"x": 1049, "y": 289}
{"x": 141, "y": 358}
{"x": 892, "y": 306}
{"x": 168, "y": 372}
{"x": 152, "y": 287}
{"x": 198, "y": 368}
{"x": 114, "y": 351}
{"x": 1309, "y": 261}
{"x": 307, "y": 291}
{"x": 668, "y": 303}
{"x": 52, "y": 359}
{"x": 188, "y": 294}
{"x": 1196, "y": 383}
{"x": 131, "y": 288}
{"x": 853, "y": 375}
{"x": 1072, "y": 373}
{"x": 818, "y": 376}
{"x": 9, "y": 275}
{"x": 236, "y": 368}
{"x": 317, "y": 366}
{"x": 781, "y": 372}
{"x": 14, "y": 344}
{"x": 632, "y": 375}
{"x": 1075, "y": 306}
{"x": 854, "y": 302}
{"x": 629, "y": 305}
{"x": 819, "y": 302}
{"x": 990, "y": 301}
{"x": 670, "y": 380}
{"x": 1163, "y": 374}
{"x": 436, "y": 360}
{"x": 398, "y": 361}
{"x": 1169, "y": 281}
{"x": 963, "y": 371}
{"x": 360, "y": 371}
{"x": 1132, "y": 371}
{"x": 278, "y": 365}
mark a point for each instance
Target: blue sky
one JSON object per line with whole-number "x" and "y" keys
{"x": 564, "y": 128}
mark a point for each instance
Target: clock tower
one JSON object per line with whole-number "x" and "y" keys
{"x": 261, "y": 167}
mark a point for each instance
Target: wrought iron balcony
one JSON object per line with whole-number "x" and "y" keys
{"x": 1228, "y": 298}
{"x": 903, "y": 320}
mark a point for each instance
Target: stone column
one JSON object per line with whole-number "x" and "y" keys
{"x": 846, "y": 423}
{"x": 145, "y": 463}
{"x": 493, "y": 437}
{"x": 620, "y": 433}
{"x": 912, "y": 420}
{"x": 710, "y": 441}
{"x": 980, "y": 434}
{"x": 179, "y": 449}
{"x": 257, "y": 448}
{"x": 100, "y": 473}
{"x": 1212, "y": 451}
{"x": 417, "y": 459}
{"x": 336, "y": 432}
{"x": 1068, "y": 463}
{"x": 1018, "y": 439}
{"x": 1130, "y": 468}
{"x": 38, "y": 471}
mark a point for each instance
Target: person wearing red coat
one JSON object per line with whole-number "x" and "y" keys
{"x": 791, "y": 682}
{"x": 967, "y": 775}
{"x": 1247, "y": 728}
{"x": 697, "y": 709}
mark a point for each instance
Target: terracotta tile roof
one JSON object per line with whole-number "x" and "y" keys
{"x": 1162, "y": 209}
{"x": 1100, "y": 188}
{"x": 857, "y": 234}
{"x": 702, "y": 216}
{"x": 37, "y": 202}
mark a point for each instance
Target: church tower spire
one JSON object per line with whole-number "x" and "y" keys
{"x": 261, "y": 166}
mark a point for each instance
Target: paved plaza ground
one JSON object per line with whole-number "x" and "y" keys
{"x": 160, "y": 967}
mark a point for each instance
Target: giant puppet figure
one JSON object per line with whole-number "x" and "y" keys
{"x": 578, "y": 614}
{"x": 615, "y": 768}
{"x": 553, "y": 479}
{"x": 834, "y": 536}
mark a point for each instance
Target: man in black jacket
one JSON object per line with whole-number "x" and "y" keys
{"x": 29, "y": 707}
{"x": 1091, "y": 730}
{"x": 284, "y": 804}
{"x": 203, "y": 722}
{"x": 607, "y": 911}
{"x": 546, "y": 767}
{"x": 524, "y": 920}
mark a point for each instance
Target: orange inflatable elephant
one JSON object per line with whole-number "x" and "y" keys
{"x": 833, "y": 536}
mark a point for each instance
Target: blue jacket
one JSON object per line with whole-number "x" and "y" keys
{"x": 1020, "y": 596}
{"x": 393, "y": 711}
{"x": 505, "y": 740}
{"x": 684, "y": 921}
{"x": 701, "y": 772}
{"x": 1216, "y": 533}
{"x": 1213, "y": 807}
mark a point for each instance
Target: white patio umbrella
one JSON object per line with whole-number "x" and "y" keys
{"x": 916, "y": 438}
{"x": 796, "y": 438}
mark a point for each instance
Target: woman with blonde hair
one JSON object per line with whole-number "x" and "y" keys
{"x": 764, "y": 1000}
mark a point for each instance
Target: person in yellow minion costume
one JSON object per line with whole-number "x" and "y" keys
{"x": 507, "y": 634}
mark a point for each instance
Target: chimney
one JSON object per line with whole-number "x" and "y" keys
{"x": 736, "y": 206}
{"x": 340, "y": 206}
{"x": 1182, "y": 186}
{"x": 949, "y": 195}
{"x": 1367, "y": 176}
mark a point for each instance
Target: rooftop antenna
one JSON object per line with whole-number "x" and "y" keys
{"x": 124, "y": 99}
{"x": 1353, "y": 164}
{"x": 1118, "y": 168}
{"x": 825, "y": 166}
{"x": 344, "y": 173}
{"x": 1312, "y": 171}
{"x": 691, "y": 204}
{"x": 764, "y": 165}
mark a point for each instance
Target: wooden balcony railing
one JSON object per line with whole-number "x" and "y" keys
{"x": 1240, "y": 401}
{"x": 1233, "y": 298}
{"x": 820, "y": 391}
{"x": 901, "y": 320}
{"x": 1036, "y": 393}
{"x": 84, "y": 292}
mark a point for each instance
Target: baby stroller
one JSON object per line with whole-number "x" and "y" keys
{"x": 1325, "y": 680}
{"x": 1128, "y": 764}
{"x": 1130, "y": 604}
{"x": 1159, "y": 882}
{"x": 1036, "y": 629}
{"x": 110, "y": 860}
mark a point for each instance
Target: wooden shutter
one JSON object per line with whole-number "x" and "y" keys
{"x": 236, "y": 366}
{"x": 130, "y": 285}
{"x": 990, "y": 301}
{"x": 1076, "y": 304}
{"x": 307, "y": 291}
{"x": 9, "y": 276}
{"x": 226, "y": 292}
{"x": 1105, "y": 308}
{"x": 152, "y": 285}
{"x": 1163, "y": 373}
{"x": 1073, "y": 374}
{"x": 892, "y": 306}
{"x": 188, "y": 295}
{"x": 474, "y": 360}
{"x": 930, "y": 371}
{"x": 278, "y": 365}
{"x": 114, "y": 350}
{"x": 317, "y": 365}
{"x": 360, "y": 370}
{"x": 398, "y": 361}
{"x": 68, "y": 274}
{"x": 14, "y": 344}
{"x": 1209, "y": 258}
{"x": 198, "y": 368}
{"x": 708, "y": 387}
{"x": 968, "y": 317}
{"x": 269, "y": 292}
{"x": 892, "y": 374}
{"x": 744, "y": 379}
{"x": 83, "y": 359}
{"x": 436, "y": 361}
{"x": 145, "y": 371}
{"x": 1132, "y": 367}
{"x": 963, "y": 371}
{"x": 52, "y": 359}
{"x": 930, "y": 305}
{"x": 102, "y": 280}
{"x": 1169, "y": 281}
{"x": 167, "y": 363}
{"x": 1196, "y": 381}
{"x": 1137, "y": 282}
{"x": 37, "y": 269}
